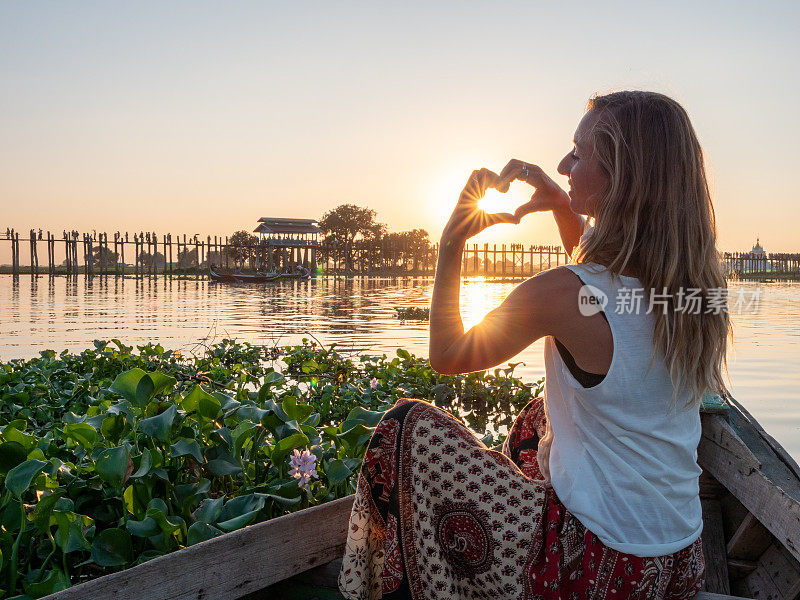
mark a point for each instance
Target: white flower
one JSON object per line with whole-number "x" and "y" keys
{"x": 304, "y": 466}
{"x": 373, "y": 383}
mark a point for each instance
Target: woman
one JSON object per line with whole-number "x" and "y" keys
{"x": 595, "y": 493}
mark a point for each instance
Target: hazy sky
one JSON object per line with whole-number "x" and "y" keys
{"x": 201, "y": 117}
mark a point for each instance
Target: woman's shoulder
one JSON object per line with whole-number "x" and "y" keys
{"x": 560, "y": 300}
{"x": 553, "y": 293}
{"x": 558, "y": 279}
{"x": 566, "y": 278}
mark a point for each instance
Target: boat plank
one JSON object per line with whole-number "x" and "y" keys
{"x": 713, "y": 537}
{"x": 750, "y": 540}
{"x": 712, "y": 596}
{"x": 233, "y": 565}
{"x": 326, "y": 575}
{"x": 777, "y": 576}
{"x": 779, "y": 450}
{"x": 733, "y": 513}
{"x": 710, "y": 487}
{"x": 727, "y": 458}
{"x": 738, "y": 568}
{"x": 773, "y": 466}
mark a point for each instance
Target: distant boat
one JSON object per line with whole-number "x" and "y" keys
{"x": 299, "y": 273}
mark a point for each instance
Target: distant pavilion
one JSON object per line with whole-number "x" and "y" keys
{"x": 290, "y": 241}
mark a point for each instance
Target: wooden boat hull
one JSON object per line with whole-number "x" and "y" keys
{"x": 750, "y": 491}
{"x": 294, "y": 276}
{"x": 244, "y": 277}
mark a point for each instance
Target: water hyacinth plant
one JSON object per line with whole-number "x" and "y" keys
{"x": 303, "y": 466}
{"x": 116, "y": 455}
{"x": 414, "y": 313}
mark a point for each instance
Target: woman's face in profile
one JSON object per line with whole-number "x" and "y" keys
{"x": 587, "y": 182}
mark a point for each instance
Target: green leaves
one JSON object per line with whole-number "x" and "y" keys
{"x": 112, "y": 548}
{"x": 13, "y": 434}
{"x": 130, "y": 458}
{"x": 337, "y": 472}
{"x": 186, "y": 447}
{"x": 114, "y": 465}
{"x": 126, "y": 384}
{"x": 55, "y": 580}
{"x": 361, "y": 415}
{"x": 201, "y": 532}
{"x": 286, "y": 445}
{"x": 139, "y": 387}
{"x": 296, "y": 412}
{"x": 157, "y": 511}
{"x": 240, "y": 511}
{"x": 204, "y": 403}
{"x": 143, "y": 464}
{"x": 19, "y": 479}
{"x": 159, "y": 427}
{"x": 81, "y": 434}
{"x": 11, "y": 454}
{"x": 44, "y": 509}
{"x": 112, "y": 427}
{"x": 224, "y": 464}
{"x": 209, "y": 510}
{"x": 70, "y": 535}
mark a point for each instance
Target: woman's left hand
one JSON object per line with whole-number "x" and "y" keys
{"x": 548, "y": 195}
{"x": 467, "y": 219}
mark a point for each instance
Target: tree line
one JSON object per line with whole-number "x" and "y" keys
{"x": 345, "y": 226}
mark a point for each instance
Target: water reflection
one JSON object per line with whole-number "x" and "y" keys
{"x": 358, "y": 315}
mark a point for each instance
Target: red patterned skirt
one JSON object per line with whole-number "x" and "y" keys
{"x": 437, "y": 515}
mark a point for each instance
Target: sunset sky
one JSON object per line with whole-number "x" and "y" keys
{"x": 201, "y": 117}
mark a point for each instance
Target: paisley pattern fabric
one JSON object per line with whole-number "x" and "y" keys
{"x": 439, "y": 516}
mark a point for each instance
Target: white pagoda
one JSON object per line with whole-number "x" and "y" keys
{"x": 758, "y": 251}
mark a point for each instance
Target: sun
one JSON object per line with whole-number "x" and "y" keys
{"x": 445, "y": 190}
{"x": 495, "y": 202}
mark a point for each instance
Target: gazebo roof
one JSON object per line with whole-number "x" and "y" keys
{"x": 276, "y": 225}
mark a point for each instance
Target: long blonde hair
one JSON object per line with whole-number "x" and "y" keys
{"x": 656, "y": 216}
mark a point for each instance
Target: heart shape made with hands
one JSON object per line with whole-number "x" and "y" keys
{"x": 496, "y": 201}
{"x": 501, "y": 199}
{"x": 546, "y": 194}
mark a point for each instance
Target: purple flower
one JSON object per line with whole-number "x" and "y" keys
{"x": 304, "y": 466}
{"x": 373, "y": 383}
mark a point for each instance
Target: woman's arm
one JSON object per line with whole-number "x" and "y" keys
{"x": 571, "y": 227}
{"x": 528, "y": 313}
{"x": 533, "y": 310}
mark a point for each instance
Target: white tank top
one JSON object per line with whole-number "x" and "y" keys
{"x": 622, "y": 456}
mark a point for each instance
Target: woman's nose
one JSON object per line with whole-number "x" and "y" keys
{"x": 565, "y": 166}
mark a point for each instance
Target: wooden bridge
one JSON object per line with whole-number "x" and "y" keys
{"x": 148, "y": 254}
{"x": 747, "y": 265}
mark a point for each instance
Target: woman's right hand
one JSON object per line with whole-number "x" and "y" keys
{"x": 548, "y": 195}
{"x": 468, "y": 219}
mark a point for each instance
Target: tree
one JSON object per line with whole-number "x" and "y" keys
{"x": 241, "y": 246}
{"x": 187, "y": 258}
{"x": 104, "y": 257}
{"x": 347, "y": 223}
{"x": 147, "y": 259}
{"x": 407, "y": 246}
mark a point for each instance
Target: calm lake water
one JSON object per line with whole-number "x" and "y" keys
{"x": 359, "y": 315}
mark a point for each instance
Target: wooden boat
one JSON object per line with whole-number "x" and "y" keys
{"x": 241, "y": 277}
{"x": 299, "y": 274}
{"x": 256, "y": 277}
{"x": 749, "y": 489}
